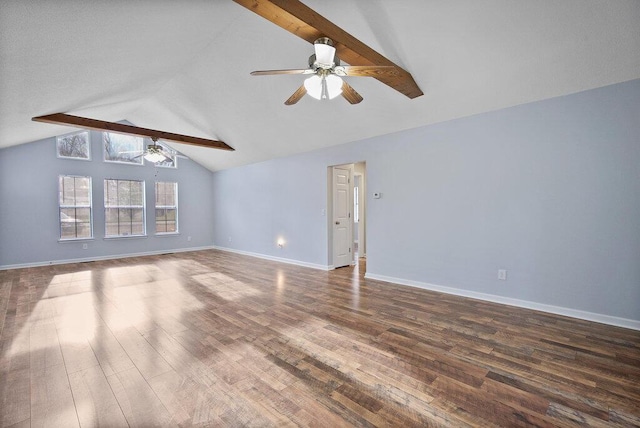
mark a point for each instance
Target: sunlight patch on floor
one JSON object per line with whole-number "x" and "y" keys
{"x": 226, "y": 287}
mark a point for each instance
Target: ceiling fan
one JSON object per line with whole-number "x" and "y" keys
{"x": 154, "y": 153}
{"x": 325, "y": 82}
{"x": 331, "y": 44}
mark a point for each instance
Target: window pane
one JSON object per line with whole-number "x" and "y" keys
{"x": 171, "y": 215}
{"x": 67, "y": 231}
{"x": 171, "y": 194}
{"x": 111, "y": 192}
{"x": 122, "y": 148}
{"x": 162, "y": 194}
{"x": 172, "y": 226}
{"x": 83, "y": 191}
{"x": 67, "y": 223}
{"x": 158, "y": 195}
{"x": 68, "y": 190}
{"x": 124, "y": 192}
{"x": 67, "y": 215}
{"x": 161, "y": 214}
{"x": 137, "y": 193}
{"x": 83, "y": 215}
{"x": 84, "y": 230}
{"x": 111, "y": 215}
{"x": 111, "y": 222}
{"x": 111, "y": 229}
{"x": 124, "y": 221}
{"x": 137, "y": 227}
{"x": 161, "y": 227}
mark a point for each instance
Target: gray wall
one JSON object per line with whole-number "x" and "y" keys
{"x": 29, "y": 205}
{"x": 549, "y": 191}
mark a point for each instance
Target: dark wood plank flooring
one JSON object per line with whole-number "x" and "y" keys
{"x": 216, "y": 339}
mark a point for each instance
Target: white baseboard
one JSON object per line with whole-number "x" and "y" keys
{"x": 558, "y": 310}
{"x": 275, "y": 259}
{"x": 97, "y": 258}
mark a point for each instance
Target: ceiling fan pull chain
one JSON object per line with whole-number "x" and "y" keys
{"x": 325, "y": 91}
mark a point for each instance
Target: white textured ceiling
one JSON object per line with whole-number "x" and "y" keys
{"x": 183, "y": 66}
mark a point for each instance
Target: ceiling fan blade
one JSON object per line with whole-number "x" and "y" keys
{"x": 350, "y": 94}
{"x": 121, "y": 128}
{"x": 291, "y": 71}
{"x": 304, "y": 22}
{"x": 297, "y": 95}
{"x": 369, "y": 70}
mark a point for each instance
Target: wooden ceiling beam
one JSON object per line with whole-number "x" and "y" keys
{"x": 121, "y": 128}
{"x": 304, "y": 22}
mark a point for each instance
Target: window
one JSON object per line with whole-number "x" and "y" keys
{"x": 124, "y": 208}
{"x": 123, "y": 148}
{"x": 74, "y": 200}
{"x": 166, "y": 207}
{"x": 74, "y": 146}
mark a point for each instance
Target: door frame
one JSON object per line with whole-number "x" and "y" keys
{"x": 362, "y": 220}
{"x": 350, "y": 168}
{"x": 329, "y": 212}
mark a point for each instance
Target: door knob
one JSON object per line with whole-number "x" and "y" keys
{"x": 337, "y": 222}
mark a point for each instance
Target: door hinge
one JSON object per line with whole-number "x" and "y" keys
{"x": 349, "y": 249}
{"x": 349, "y": 215}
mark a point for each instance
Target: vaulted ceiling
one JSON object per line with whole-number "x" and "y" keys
{"x": 184, "y": 66}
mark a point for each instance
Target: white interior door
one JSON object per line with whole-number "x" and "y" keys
{"x": 342, "y": 221}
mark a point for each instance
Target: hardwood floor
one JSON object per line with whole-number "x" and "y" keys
{"x": 216, "y": 339}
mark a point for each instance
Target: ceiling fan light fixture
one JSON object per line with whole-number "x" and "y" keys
{"x": 313, "y": 85}
{"x": 334, "y": 85}
{"x": 323, "y": 87}
{"x": 324, "y": 55}
{"x": 154, "y": 154}
{"x": 154, "y": 157}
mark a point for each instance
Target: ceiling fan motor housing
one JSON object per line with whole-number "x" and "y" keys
{"x": 313, "y": 64}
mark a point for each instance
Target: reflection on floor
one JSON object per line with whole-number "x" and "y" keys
{"x": 212, "y": 338}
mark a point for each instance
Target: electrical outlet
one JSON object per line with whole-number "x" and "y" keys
{"x": 229, "y": 239}
{"x": 85, "y": 246}
{"x": 189, "y": 238}
{"x": 502, "y": 274}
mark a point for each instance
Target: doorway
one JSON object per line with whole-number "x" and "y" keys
{"x": 347, "y": 213}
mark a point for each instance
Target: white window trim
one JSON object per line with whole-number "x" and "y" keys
{"x": 90, "y": 206}
{"x": 144, "y": 210}
{"x": 88, "y": 134}
{"x": 177, "y": 232}
{"x": 104, "y": 152}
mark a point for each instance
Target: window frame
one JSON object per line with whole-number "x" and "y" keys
{"x": 122, "y": 162}
{"x": 166, "y": 207}
{"x": 107, "y": 206}
{"x": 62, "y": 206}
{"x": 87, "y": 141}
